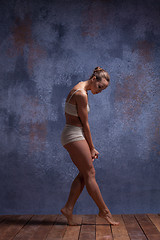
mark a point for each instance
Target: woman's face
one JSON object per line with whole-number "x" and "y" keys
{"x": 98, "y": 86}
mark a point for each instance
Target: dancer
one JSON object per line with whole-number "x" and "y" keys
{"x": 76, "y": 139}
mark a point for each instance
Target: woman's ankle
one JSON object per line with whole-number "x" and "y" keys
{"x": 69, "y": 208}
{"x": 104, "y": 211}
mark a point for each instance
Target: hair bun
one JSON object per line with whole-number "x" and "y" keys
{"x": 98, "y": 69}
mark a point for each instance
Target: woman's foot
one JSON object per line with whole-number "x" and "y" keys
{"x": 68, "y": 214}
{"x": 108, "y": 217}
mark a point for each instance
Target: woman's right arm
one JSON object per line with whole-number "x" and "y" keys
{"x": 82, "y": 101}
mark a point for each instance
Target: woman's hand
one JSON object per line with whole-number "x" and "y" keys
{"x": 94, "y": 154}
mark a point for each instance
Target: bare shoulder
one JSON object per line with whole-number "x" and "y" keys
{"x": 81, "y": 97}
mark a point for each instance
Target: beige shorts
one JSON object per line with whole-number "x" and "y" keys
{"x": 71, "y": 133}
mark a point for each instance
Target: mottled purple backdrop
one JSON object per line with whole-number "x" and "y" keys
{"x": 46, "y": 47}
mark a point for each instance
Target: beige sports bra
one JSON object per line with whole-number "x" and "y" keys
{"x": 72, "y": 108}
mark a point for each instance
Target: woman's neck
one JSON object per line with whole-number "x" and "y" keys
{"x": 87, "y": 85}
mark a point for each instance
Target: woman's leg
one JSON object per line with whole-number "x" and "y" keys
{"x": 76, "y": 189}
{"x": 80, "y": 154}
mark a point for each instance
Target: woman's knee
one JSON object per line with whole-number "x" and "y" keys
{"x": 81, "y": 177}
{"x": 89, "y": 173}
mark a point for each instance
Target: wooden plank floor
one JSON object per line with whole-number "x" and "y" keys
{"x": 91, "y": 227}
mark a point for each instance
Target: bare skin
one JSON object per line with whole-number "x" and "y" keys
{"x": 81, "y": 157}
{"x": 83, "y": 153}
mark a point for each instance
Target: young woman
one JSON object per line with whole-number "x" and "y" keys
{"x": 76, "y": 139}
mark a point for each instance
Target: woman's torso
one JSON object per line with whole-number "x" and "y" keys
{"x": 70, "y": 119}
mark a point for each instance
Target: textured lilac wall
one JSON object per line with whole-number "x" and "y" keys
{"x": 46, "y": 47}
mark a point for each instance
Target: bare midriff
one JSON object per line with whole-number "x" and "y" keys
{"x": 73, "y": 120}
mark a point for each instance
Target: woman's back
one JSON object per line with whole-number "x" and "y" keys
{"x": 71, "y": 103}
